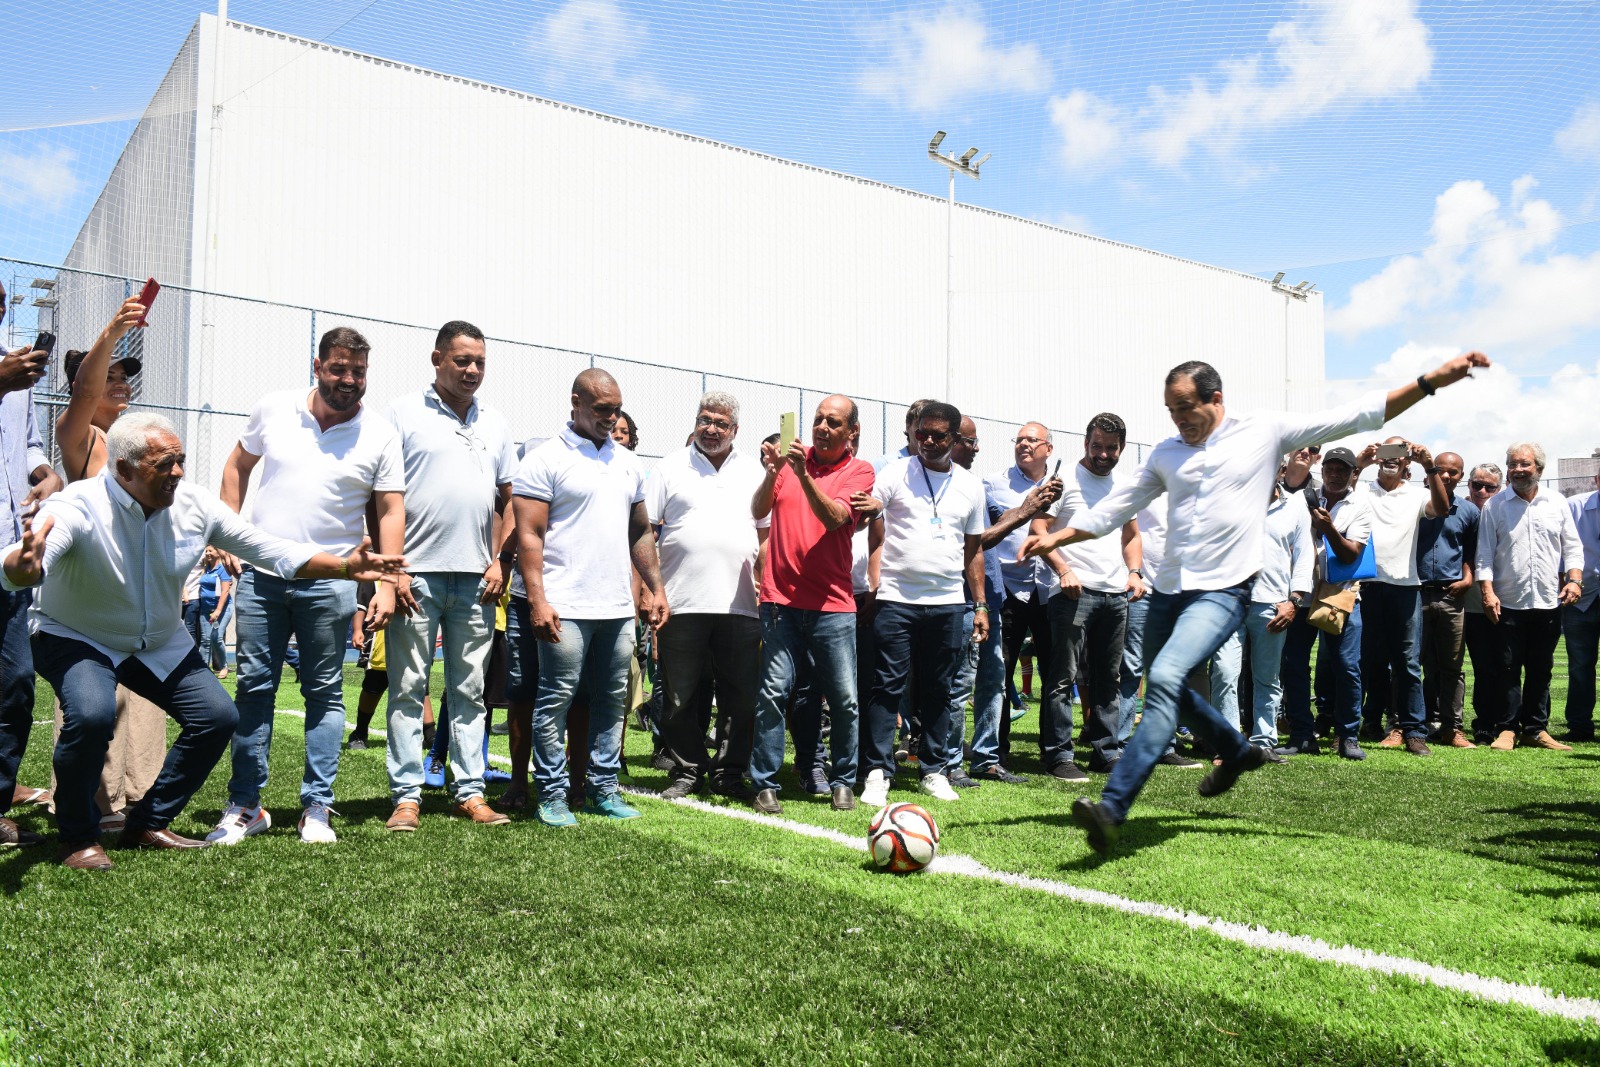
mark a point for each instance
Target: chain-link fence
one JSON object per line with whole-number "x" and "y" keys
{"x": 207, "y": 358}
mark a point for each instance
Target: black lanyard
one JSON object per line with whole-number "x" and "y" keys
{"x": 932, "y": 496}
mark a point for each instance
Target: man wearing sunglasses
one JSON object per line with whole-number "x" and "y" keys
{"x": 1445, "y": 547}
{"x": 1477, "y": 634}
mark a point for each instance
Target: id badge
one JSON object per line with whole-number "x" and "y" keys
{"x": 936, "y": 527}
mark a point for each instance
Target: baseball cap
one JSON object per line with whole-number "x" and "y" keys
{"x": 74, "y": 359}
{"x": 1341, "y": 455}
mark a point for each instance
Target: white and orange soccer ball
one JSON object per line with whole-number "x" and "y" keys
{"x": 903, "y": 838}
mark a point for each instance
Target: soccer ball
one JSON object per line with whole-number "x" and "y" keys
{"x": 902, "y": 838}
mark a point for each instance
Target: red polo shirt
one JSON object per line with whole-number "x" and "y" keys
{"x": 808, "y": 565}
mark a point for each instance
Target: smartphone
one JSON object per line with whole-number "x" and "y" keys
{"x": 147, "y": 296}
{"x": 1398, "y": 450}
{"x": 1056, "y": 470}
{"x": 45, "y": 342}
{"x": 788, "y": 430}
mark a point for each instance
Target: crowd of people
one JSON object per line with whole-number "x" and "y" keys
{"x": 857, "y": 604}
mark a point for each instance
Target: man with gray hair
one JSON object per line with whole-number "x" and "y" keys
{"x": 699, "y": 498}
{"x": 112, "y": 553}
{"x": 1530, "y": 565}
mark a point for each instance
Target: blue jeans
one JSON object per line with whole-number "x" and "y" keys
{"x": 989, "y": 694}
{"x": 446, "y": 601}
{"x": 86, "y": 681}
{"x": 925, "y": 642}
{"x": 1341, "y": 653}
{"x": 593, "y": 653}
{"x": 960, "y": 689}
{"x": 317, "y": 612}
{"x": 1582, "y": 631}
{"x": 1226, "y": 665}
{"x": 1182, "y": 631}
{"x": 214, "y": 638}
{"x": 1266, "y": 665}
{"x": 1132, "y": 666}
{"x": 16, "y": 688}
{"x": 829, "y": 637}
{"x": 1391, "y": 656}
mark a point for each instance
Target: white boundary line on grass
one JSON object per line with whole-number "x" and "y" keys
{"x": 1496, "y": 990}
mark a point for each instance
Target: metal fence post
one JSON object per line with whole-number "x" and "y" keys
{"x": 311, "y": 364}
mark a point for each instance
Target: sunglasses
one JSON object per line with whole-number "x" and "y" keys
{"x": 936, "y": 436}
{"x": 1484, "y": 487}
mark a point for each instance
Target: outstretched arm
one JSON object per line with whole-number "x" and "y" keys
{"x": 89, "y": 387}
{"x": 1408, "y": 395}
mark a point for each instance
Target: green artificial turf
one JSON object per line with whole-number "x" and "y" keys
{"x": 685, "y": 937}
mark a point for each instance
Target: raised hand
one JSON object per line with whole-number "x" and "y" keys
{"x": 20, "y": 369}
{"x": 1457, "y": 369}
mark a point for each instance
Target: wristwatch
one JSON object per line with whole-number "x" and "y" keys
{"x": 1297, "y": 599}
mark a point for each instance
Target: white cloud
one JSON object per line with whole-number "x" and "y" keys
{"x": 597, "y": 42}
{"x": 45, "y": 179}
{"x": 1333, "y": 53}
{"x": 1489, "y": 278}
{"x": 932, "y": 61}
{"x": 1580, "y": 138}
{"x": 1090, "y": 128}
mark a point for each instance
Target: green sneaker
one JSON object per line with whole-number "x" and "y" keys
{"x": 556, "y": 813}
{"x": 611, "y": 805}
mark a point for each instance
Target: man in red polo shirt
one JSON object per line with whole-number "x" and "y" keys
{"x": 807, "y": 600}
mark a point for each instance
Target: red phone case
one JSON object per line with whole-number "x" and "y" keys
{"x": 147, "y": 296}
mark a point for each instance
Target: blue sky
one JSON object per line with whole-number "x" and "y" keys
{"x": 1434, "y": 167}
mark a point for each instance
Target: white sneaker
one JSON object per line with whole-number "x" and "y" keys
{"x": 236, "y": 824}
{"x": 314, "y": 828}
{"x": 875, "y": 790}
{"x": 938, "y": 787}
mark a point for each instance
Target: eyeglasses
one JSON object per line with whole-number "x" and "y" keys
{"x": 1028, "y": 441}
{"x": 721, "y": 424}
{"x": 936, "y": 436}
{"x": 970, "y": 442}
{"x": 1484, "y": 487}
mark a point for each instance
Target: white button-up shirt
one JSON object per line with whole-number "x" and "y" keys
{"x": 1526, "y": 547}
{"x": 114, "y": 578}
{"x": 1290, "y": 559}
{"x": 708, "y": 541}
{"x": 1585, "y": 508}
{"x": 1215, "y": 489}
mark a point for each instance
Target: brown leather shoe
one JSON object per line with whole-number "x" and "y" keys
{"x": 1461, "y": 740}
{"x": 1505, "y": 741}
{"x": 84, "y": 856}
{"x": 404, "y": 818}
{"x": 478, "y": 810}
{"x": 157, "y": 839}
{"x": 1417, "y": 746}
{"x": 14, "y": 836}
{"x": 1542, "y": 739}
{"x": 1393, "y": 739}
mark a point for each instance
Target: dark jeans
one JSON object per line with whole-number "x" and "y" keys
{"x": 1582, "y": 631}
{"x": 732, "y": 645}
{"x": 1443, "y": 645}
{"x": 16, "y": 688}
{"x": 1391, "y": 660}
{"x": 1085, "y": 633}
{"x": 86, "y": 682}
{"x": 1527, "y": 640}
{"x": 928, "y": 641}
{"x": 1488, "y": 674}
{"x": 1342, "y": 653}
{"x": 805, "y": 716}
{"x": 1018, "y": 620}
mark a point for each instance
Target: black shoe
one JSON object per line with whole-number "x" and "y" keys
{"x": 766, "y": 802}
{"x": 734, "y": 789}
{"x": 1221, "y": 778}
{"x": 1582, "y": 737}
{"x": 1350, "y": 748}
{"x": 357, "y": 743}
{"x": 1273, "y": 757}
{"x": 844, "y": 799}
{"x": 1417, "y": 746}
{"x": 1372, "y": 731}
{"x": 815, "y": 783}
{"x": 960, "y": 779}
{"x": 1102, "y": 766}
{"x": 1068, "y": 771}
{"x": 661, "y": 761}
{"x": 998, "y": 773}
{"x": 1102, "y": 831}
{"x": 1308, "y": 746}
{"x": 1172, "y": 759}
{"x": 680, "y": 788}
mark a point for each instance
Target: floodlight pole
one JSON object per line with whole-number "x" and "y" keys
{"x": 963, "y": 165}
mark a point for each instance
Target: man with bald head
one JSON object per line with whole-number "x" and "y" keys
{"x": 582, "y": 529}
{"x": 1445, "y": 546}
{"x": 807, "y": 597}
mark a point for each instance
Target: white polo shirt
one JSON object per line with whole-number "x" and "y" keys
{"x": 588, "y": 571}
{"x": 453, "y": 468}
{"x": 927, "y": 516}
{"x": 1352, "y": 517}
{"x": 1395, "y": 514}
{"x": 708, "y": 540}
{"x": 1098, "y": 563}
{"x": 313, "y": 485}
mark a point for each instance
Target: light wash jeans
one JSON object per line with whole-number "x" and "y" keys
{"x": 1132, "y": 665}
{"x": 317, "y": 612}
{"x": 830, "y": 637}
{"x": 1181, "y": 632}
{"x": 1266, "y": 671}
{"x": 594, "y": 652}
{"x": 960, "y": 689}
{"x": 447, "y": 601}
{"x": 989, "y": 694}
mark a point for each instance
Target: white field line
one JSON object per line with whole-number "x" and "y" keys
{"x": 1495, "y": 990}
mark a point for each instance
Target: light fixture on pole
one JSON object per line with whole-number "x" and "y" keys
{"x": 963, "y": 165}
